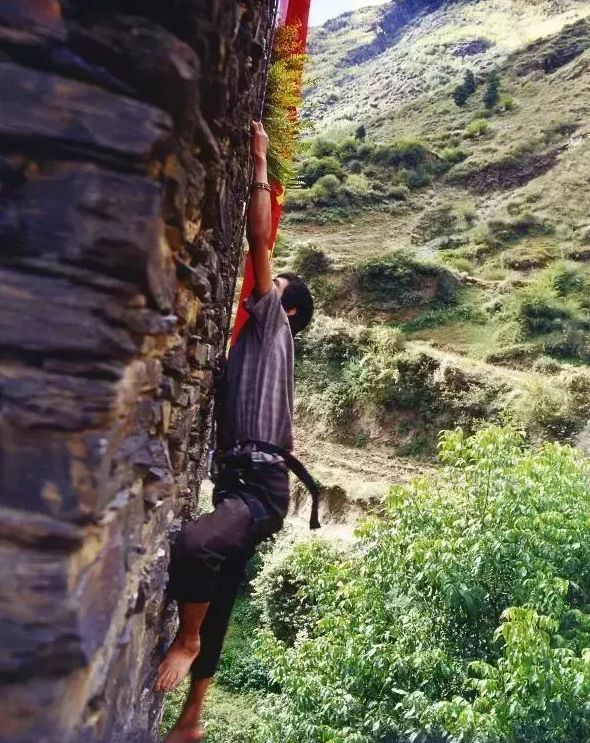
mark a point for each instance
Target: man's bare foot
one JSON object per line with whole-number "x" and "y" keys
{"x": 176, "y": 664}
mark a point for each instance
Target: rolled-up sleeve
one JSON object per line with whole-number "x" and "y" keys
{"x": 267, "y": 314}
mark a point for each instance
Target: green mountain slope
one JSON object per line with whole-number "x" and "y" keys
{"x": 465, "y": 226}
{"x": 374, "y": 60}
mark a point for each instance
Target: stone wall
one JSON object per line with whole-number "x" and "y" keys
{"x": 123, "y": 172}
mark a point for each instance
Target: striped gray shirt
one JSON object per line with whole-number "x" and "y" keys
{"x": 258, "y": 403}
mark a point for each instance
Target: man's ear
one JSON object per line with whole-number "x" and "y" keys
{"x": 292, "y": 311}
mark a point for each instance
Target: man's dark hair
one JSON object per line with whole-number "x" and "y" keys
{"x": 297, "y": 296}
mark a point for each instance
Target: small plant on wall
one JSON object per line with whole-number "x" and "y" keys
{"x": 283, "y": 99}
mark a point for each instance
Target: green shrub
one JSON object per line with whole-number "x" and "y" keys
{"x": 299, "y": 199}
{"x": 399, "y": 280}
{"x": 407, "y": 153}
{"x": 507, "y": 103}
{"x": 321, "y": 147}
{"x": 540, "y": 312}
{"x": 358, "y": 188}
{"x": 547, "y": 365}
{"x": 365, "y": 151}
{"x": 283, "y": 594}
{"x": 558, "y": 409}
{"x": 416, "y": 177}
{"x": 469, "y": 82}
{"x": 523, "y": 225}
{"x": 240, "y": 669}
{"x": 462, "y": 615}
{"x": 231, "y": 718}
{"x": 515, "y": 355}
{"x": 347, "y": 150}
{"x": 532, "y": 254}
{"x": 326, "y": 190}
{"x": 397, "y": 193}
{"x": 316, "y": 167}
{"x": 476, "y": 128}
{"x": 331, "y": 340}
{"x": 310, "y": 261}
{"x": 454, "y": 155}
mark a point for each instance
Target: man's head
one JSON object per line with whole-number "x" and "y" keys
{"x": 296, "y": 300}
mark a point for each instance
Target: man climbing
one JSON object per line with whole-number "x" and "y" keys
{"x": 254, "y": 441}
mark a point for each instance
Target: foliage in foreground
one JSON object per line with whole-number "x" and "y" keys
{"x": 462, "y": 615}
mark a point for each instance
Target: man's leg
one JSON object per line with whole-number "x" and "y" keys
{"x": 185, "y": 648}
{"x": 188, "y": 727}
{"x": 213, "y": 631}
{"x": 198, "y": 559}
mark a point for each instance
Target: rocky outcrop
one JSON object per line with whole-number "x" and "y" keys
{"x": 396, "y": 16}
{"x": 551, "y": 53}
{"x": 123, "y": 173}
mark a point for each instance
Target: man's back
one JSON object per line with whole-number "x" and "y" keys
{"x": 258, "y": 399}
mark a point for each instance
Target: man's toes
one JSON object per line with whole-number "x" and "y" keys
{"x": 161, "y": 679}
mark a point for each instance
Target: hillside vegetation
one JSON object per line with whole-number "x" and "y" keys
{"x": 460, "y": 220}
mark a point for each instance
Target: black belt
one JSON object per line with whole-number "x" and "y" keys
{"x": 244, "y": 460}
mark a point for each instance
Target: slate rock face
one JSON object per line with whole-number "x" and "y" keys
{"x": 124, "y": 138}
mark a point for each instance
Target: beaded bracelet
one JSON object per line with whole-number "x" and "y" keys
{"x": 263, "y": 186}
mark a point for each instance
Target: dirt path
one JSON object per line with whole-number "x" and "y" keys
{"x": 355, "y": 480}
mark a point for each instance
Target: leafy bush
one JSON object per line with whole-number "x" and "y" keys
{"x": 310, "y": 261}
{"x": 326, "y": 189}
{"x": 507, "y": 103}
{"x": 557, "y": 410}
{"x": 547, "y": 365}
{"x": 399, "y": 280}
{"x": 321, "y": 147}
{"x": 358, "y": 188}
{"x": 316, "y": 167}
{"x": 460, "y": 95}
{"x": 239, "y": 668}
{"x": 299, "y": 198}
{"x": 416, "y": 177}
{"x": 462, "y": 615}
{"x": 231, "y": 718}
{"x": 347, "y": 150}
{"x": 462, "y": 92}
{"x": 540, "y": 313}
{"x": 454, "y": 155}
{"x": 330, "y": 339}
{"x": 408, "y": 153}
{"x": 523, "y": 225}
{"x": 476, "y": 128}
{"x": 469, "y": 82}
{"x": 283, "y": 594}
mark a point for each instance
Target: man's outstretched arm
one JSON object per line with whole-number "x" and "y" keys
{"x": 260, "y": 214}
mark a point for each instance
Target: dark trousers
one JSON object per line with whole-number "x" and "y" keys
{"x": 210, "y": 555}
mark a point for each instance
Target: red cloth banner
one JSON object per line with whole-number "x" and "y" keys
{"x": 291, "y": 13}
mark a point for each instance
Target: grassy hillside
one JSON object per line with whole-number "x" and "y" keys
{"x": 465, "y": 226}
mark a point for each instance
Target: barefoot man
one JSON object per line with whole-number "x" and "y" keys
{"x": 254, "y": 441}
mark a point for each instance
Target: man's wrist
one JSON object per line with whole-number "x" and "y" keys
{"x": 260, "y": 169}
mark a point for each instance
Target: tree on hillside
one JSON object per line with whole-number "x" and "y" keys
{"x": 361, "y": 133}
{"x": 469, "y": 82}
{"x": 462, "y": 92}
{"x": 492, "y": 94}
{"x": 460, "y": 95}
